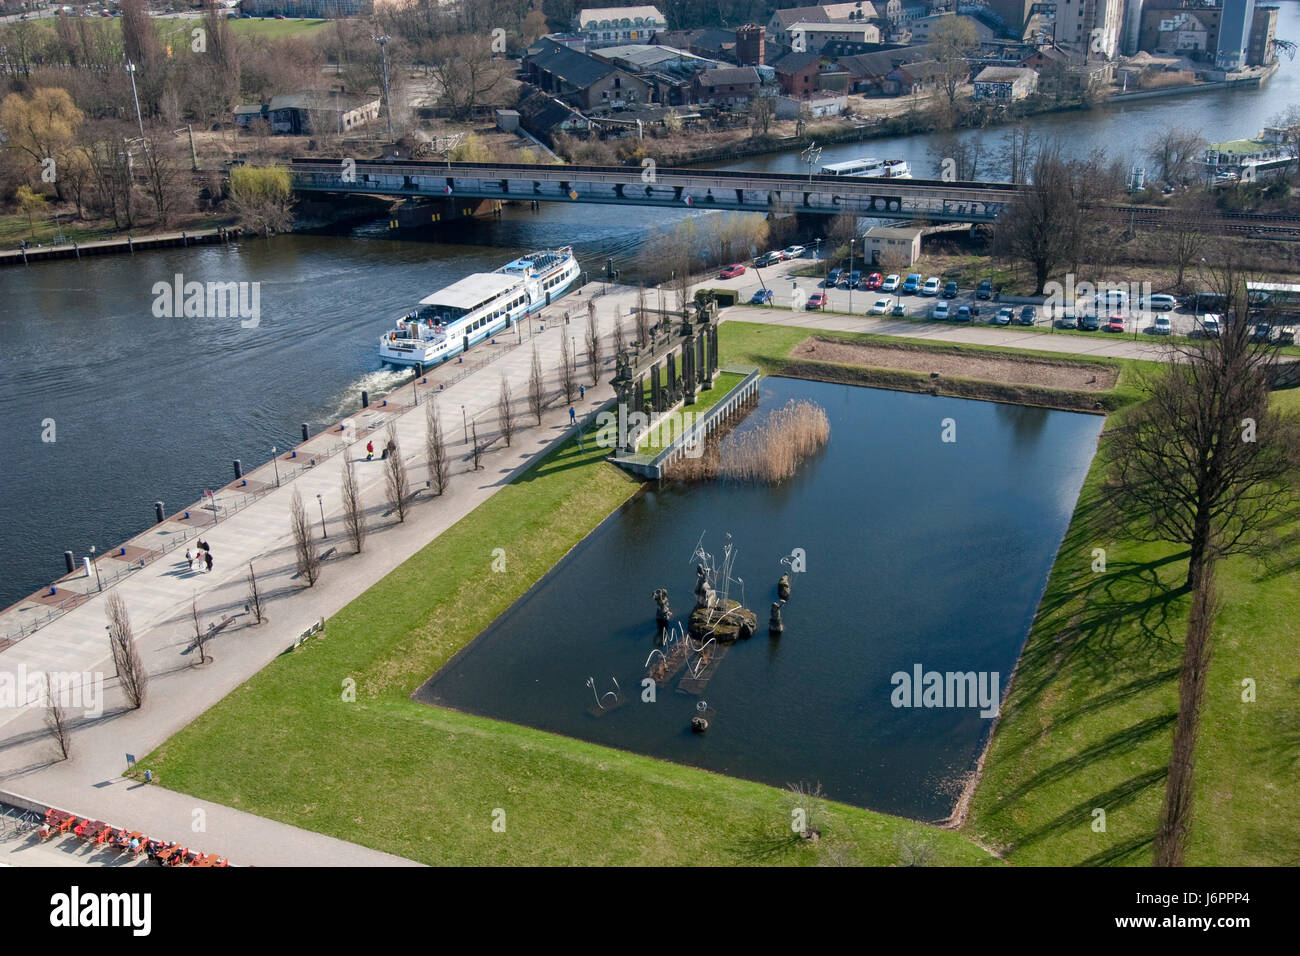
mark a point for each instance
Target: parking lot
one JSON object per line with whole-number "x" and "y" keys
{"x": 793, "y": 292}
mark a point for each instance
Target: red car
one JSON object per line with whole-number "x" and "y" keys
{"x": 874, "y": 280}
{"x": 732, "y": 271}
{"x": 1115, "y": 323}
{"x": 816, "y": 301}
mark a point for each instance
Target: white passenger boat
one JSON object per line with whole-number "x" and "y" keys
{"x": 450, "y": 321}
{"x": 869, "y": 167}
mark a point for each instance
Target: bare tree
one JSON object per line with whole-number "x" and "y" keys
{"x": 1043, "y": 224}
{"x": 476, "y": 449}
{"x": 56, "y": 718}
{"x": 435, "y": 450}
{"x": 304, "y": 541}
{"x": 642, "y": 317}
{"x": 354, "y": 512}
{"x": 506, "y": 411}
{"x": 620, "y": 333}
{"x": 254, "y": 598}
{"x": 166, "y": 182}
{"x": 1017, "y": 153}
{"x": 200, "y": 638}
{"x": 568, "y": 370}
{"x": 593, "y": 344}
{"x": 1206, "y": 462}
{"x": 126, "y": 656}
{"x": 1185, "y": 235}
{"x": 953, "y": 40}
{"x": 536, "y": 387}
{"x": 1174, "y": 152}
{"x": 396, "y": 481}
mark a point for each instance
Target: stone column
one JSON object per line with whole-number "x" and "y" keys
{"x": 656, "y": 391}
{"x": 672, "y": 378}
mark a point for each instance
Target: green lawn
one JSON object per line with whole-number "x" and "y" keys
{"x": 424, "y": 782}
{"x": 1089, "y": 720}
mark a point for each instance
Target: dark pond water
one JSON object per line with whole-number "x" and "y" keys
{"x": 917, "y": 551}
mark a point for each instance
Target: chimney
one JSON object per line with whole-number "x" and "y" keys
{"x": 749, "y": 45}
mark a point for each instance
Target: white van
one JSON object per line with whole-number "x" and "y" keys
{"x": 1111, "y": 300}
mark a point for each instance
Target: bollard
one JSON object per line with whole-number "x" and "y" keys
{"x": 67, "y": 559}
{"x": 244, "y": 483}
{"x": 239, "y": 469}
{"x": 158, "y": 511}
{"x": 365, "y": 399}
{"x": 304, "y": 431}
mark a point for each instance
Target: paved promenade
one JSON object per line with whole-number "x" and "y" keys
{"x": 159, "y": 599}
{"x": 159, "y": 596}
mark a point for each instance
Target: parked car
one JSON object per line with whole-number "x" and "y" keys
{"x": 1163, "y": 326}
{"x": 931, "y": 286}
{"x": 898, "y": 309}
{"x": 1004, "y": 316}
{"x": 950, "y": 289}
{"x": 832, "y": 278}
{"x": 1089, "y": 322}
{"x": 1210, "y": 325}
{"x": 1286, "y": 337}
{"x": 984, "y": 290}
{"x": 1069, "y": 320}
{"x": 1115, "y": 323}
{"x": 874, "y": 281}
{"x": 850, "y": 280}
{"x": 941, "y": 309}
{"x": 732, "y": 271}
{"x": 912, "y": 283}
{"x": 1161, "y": 302}
{"x": 761, "y": 297}
{"x": 816, "y": 301}
{"x": 1028, "y": 315}
{"x": 1262, "y": 332}
{"x": 794, "y": 252}
{"x": 964, "y": 313}
{"x": 880, "y": 308}
{"x": 891, "y": 283}
{"x": 768, "y": 259}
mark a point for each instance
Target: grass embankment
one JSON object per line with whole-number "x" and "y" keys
{"x": 769, "y": 347}
{"x": 1089, "y": 720}
{"x": 665, "y": 432}
{"x": 423, "y": 782}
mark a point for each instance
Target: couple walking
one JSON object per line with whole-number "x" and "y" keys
{"x": 200, "y": 559}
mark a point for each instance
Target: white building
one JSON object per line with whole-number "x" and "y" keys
{"x": 612, "y": 26}
{"x": 1091, "y": 27}
{"x": 811, "y": 37}
{"x": 1005, "y": 83}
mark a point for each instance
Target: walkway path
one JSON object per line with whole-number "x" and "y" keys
{"x": 159, "y": 599}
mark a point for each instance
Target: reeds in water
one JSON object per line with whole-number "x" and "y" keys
{"x": 768, "y": 454}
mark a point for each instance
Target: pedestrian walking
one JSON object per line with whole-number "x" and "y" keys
{"x": 370, "y": 450}
{"x": 573, "y": 416}
{"x": 582, "y": 391}
{"x": 207, "y": 558}
{"x": 203, "y": 545}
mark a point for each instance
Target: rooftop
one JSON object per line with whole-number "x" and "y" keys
{"x": 473, "y": 290}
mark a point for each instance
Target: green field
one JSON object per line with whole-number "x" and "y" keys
{"x": 1087, "y": 725}
{"x": 723, "y": 383}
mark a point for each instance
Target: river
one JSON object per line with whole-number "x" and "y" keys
{"x": 149, "y": 409}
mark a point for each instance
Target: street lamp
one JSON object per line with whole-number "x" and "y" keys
{"x": 383, "y": 42}
{"x": 98, "y": 580}
{"x": 321, "y": 502}
{"x": 276, "y": 464}
{"x": 130, "y": 68}
{"x": 465, "y": 422}
{"x": 852, "y": 240}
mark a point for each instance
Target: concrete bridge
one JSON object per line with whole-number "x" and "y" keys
{"x": 783, "y": 193}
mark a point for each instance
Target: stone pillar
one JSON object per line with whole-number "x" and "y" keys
{"x": 702, "y": 358}
{"x": 672, "y": 378}
{"x": 689, "y": 379}
{"x": 656, "y": 391}
{"x": 713, "y": 349}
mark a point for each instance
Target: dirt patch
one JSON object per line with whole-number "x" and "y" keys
{"x": 1008, "y": 370}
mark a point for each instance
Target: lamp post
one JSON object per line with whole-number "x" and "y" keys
{"x": 465, "y": 422}
{"x": 388, "y": 103}
{"x": 130, "y": 68}
{"x": 321, "y": 502}
{"x": 276, "y": 464}
{"x": 852, "y": 239}
{"x": 98, "y": 580}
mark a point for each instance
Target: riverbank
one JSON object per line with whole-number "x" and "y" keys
{"x": 124, "y": 245}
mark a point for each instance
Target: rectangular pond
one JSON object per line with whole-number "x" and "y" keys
{"x": 918, "y": 552}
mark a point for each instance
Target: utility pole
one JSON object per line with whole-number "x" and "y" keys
{"x": 383, "y": 42}
{"x": 130, "y": 68}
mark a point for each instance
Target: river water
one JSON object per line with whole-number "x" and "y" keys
{"x": 149, "y": 409}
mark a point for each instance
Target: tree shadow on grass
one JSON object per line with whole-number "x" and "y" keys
{"x": 1125, "y": 852}
{"x": 1081, "y": 813}
{"x": 1281, "y": 745}
{"x": 762, "y": 845}
{"x": 1117, "y": 743}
